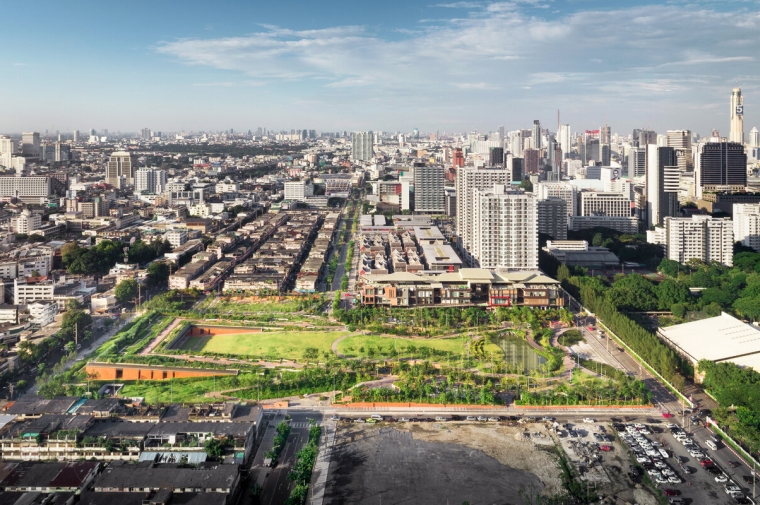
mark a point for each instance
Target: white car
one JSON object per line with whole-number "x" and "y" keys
{"x": 674, "y": 480}
{"x": 668, "y": 472}
{"x": 642, "y": 459}
{"x": 588, "y": 420}
{"x": 660, "y": 464}
{"x": 664, "y": 453}
{"x": 661, "y": 480}
{"x": 653, "y": 472}
{"x": 721, "y": 478}
{"x": 732, "y": 488}
{"x": 670, "y": 425}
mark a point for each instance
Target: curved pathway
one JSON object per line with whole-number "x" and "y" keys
{"x": 154, "y": 343}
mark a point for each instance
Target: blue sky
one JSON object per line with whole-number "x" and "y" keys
{"x": 392, "y": 65}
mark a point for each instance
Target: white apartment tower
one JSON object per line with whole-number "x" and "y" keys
{"x": 150, "y": 180}
{"x": 362, "y": 146}
{"x": 428, "y": 189}
{"x": 746, "y": 221}
{"x": 298, "y": 190}
{"x": 737, "y": 116}
{"x": 467, "y": 181}
{"x": 121, "y": 164}
{"x": 505, "y": 229}
{"x": 662, "y": 184}
{"x": 699, "y": 237}
{"x": 562, "y": 190}
{"x": 563, "y": 137}
{"x": 754, "y": 137}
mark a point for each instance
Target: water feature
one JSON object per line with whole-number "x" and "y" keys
{"x": 518, "y": 353}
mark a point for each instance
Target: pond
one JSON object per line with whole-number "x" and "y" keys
{"x": 518, "y": 353}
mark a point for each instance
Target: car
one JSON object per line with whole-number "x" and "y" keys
{"x": 706, "y": 462}
{"x": 371, "y": 421}
{"x": 671, "y": 425}
{"x": 661, "y": 479}
{"x": 642, "y": 459}
{"x": 653, "y": 472}
{"x": 359, "y": 420}
{"x": 482, "y": 418}
{"x": 713, "y": 470}
{"x": 588, "y": 420}
{"x": 663, "y": 453}
{"x": 676, "y": 501}
{"x": 605, "y": 448}
{"x": 547, "y": 418}
{"x": 671, "y": 492}
{"x": 748, "y": 479}
{"x": 732, "y": 488}
{"x": 741, "y": 499}
{"x": 377, "y": 417}
{"x": 660, "y": 464}
{"x": 493, "y": 419}
{"x": 721, "y": 478}
{"x": 403, "y": 419}
{"x": 470, "y": 418}
{"x": 674, "y": 480}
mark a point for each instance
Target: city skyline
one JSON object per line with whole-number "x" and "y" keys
{"x": 439, "y": 66}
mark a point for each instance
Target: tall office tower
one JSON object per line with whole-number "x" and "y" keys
{"x": 637, "y": 162}
{"x": 552, "y": 218}
{"x": 746, "y": 221}
{"x": 635, "y": 137}
{"x": 720, "y": 166}
{"x": 496, "y": 157}
{"x": 754, "y": 138}
{"x": 605, "y": 204}
{"x": 469, "y": 179}
{"x": 92, "y": 132}
{"x": 76, "y": 135}
{"x": 605, "y": 154}
{"x": 592, "y": 151}
{"x": 505, "y": 229}
{"x": 532, "y": 159}
{"x": 145, "y": 133}
{"x": 536, "y": 134}
{"x": 515, "y": 167}
{"x": 6, "y": 151}
{"x": 551, "y": 151}
{"x": 516, "y": 143}
{"x": 121, "y": 164}
{"x": 429, "y": 195}
{"x": 662, "y": 184}
{"x": 563, "y": 135}
{"x": 647, "y": 137}
{"x": 605, "y": 134}
{"x": 702, "y": 237}
{"x": 30, "y": 144}
{"x": 361, "y": 146}
{"x": 561, "y": 190}
{"x": 150, "y": 180}
{"x": 737, "y": 117}
{"x": 502, "y": 138}
{"x": 680, "y": 140}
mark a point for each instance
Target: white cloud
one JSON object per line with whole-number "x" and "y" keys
{"x": 614, "y": 56}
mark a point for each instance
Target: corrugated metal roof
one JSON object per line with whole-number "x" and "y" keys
{"x": 190, "y": 457}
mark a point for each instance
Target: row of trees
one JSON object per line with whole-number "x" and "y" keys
{"x": 597, "y": 392}
{"x": 304, "y": 465}
{"x": 100, "y": 258}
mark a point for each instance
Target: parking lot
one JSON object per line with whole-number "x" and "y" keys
{"x": 682, "y": 467}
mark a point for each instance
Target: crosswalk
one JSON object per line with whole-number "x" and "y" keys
{"x": 303, "y": 425}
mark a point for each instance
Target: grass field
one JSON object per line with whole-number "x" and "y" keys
{"x": 269, "y": 344}
{"x": 384, "y": 346}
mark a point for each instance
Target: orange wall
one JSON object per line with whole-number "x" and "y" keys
{"x": 109, "y": 373}
{"x": 196, "y": 331}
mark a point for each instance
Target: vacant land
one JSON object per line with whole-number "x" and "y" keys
{"x": 428, "y": 464}
{"x": 269, "y": 344}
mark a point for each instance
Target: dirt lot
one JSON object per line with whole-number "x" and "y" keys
{"x": 432, "y": 463}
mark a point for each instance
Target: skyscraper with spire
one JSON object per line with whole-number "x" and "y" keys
{"x": 737, "y": 116}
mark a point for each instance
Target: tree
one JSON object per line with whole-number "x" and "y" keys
{"x": 36, "y": 237}
{"x": 526, "y": 185}
{"x": 597, "y": 240}
{"x": 28, "y": 351}
{"x": 670, "y": 292}
{"x": 214, "y": 448}
{"x": 158, "y": 273}
{"x": 126, "y": 290}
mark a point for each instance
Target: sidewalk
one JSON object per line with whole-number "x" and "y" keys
{"x": 322, "y": 465}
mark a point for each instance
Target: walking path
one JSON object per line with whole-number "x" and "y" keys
{"x": 568, "y": 364}
{"x": 322, "y": 465}
{"x": 154, "y": 343}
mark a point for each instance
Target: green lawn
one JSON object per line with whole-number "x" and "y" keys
{"x": 269, "y": 344}
{"x": 384, "y": 346}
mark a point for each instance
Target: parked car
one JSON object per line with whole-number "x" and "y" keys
{"x": 588, "y": 420}
{"x": 671, "y": 492}
{"x": 605, "y": 448}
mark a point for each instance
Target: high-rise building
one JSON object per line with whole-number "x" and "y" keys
{"x": 362, "y": 146}
{"x": 699, "y": 237}
{"x": 7, "y": 150}
{"x": 505, "y": 229}
{"x": 552, "y": 218}
{"x": 562, "y": 190}
{"x": 680, "y": 140}
{"x": 457, "y": 158}
{"x": 647, "y": 137}
{"x": 121, "y": 164}
{"x": 592, "y": 152}
{"x": 76, "y": 135}
{"x": 605, "y": 204}
{"x": 720, "y": 166}
{"x": 496, "y": 157}
{"x": 428, "y": 189}
{"x": 563, "y": 137}
{"x": 469, "y": 179}
{"x": 536, "y": 134}
{"x": 532, "y": 162}
{"x": 516, "y": 142}
{"x": 754, "y": 138}
{"x": 737, "y": 117}
{"x": 637, "y": 162}
{"x": 150, "y": 180}
{"x": 605, "y": 134}
{"x": 145, "y": 133}
{"x": 515, "y": 167}
{"x": 746, "y": 219}
{"x": 662, "y": 184}
{"x": 298, "y": 190}
{"x": 30, "y": 144}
